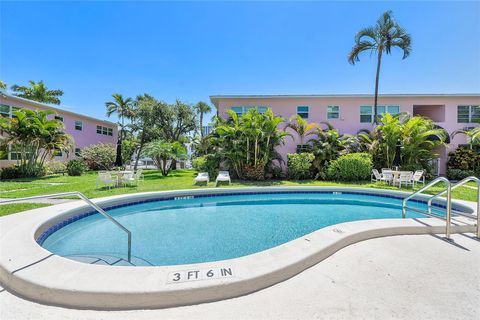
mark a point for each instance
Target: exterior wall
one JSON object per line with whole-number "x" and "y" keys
{"x": 86, "y": 137}
{"x": 349, "y": 119}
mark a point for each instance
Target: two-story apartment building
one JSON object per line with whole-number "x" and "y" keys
{"x": 349, "y": 113}
{"x": 84, "y": 130}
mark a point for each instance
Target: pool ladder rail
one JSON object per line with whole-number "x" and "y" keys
{"x": 448, "y": 190}
{"x": 90, "y": 203}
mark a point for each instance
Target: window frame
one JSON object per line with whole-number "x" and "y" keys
{"x": 76, "y": 126}
{"x": 471, "y": 112}
{"x": 77, "y": 152}
{"x": 241, "y": 110}
{"x": 330, "y": 112}
{"x": 303, "y": 114}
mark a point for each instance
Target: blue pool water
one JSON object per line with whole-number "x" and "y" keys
{"x": 214, "y": 228}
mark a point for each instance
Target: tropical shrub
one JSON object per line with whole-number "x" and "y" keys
{"x": 16, "y": 172}
{"x": 463, "y": 159}
{"x": 35, "y": 138}
{"x": 207, "y": 163}
{"x": 54, "y": 167}
{"x": 99, "y": 156}
{"x": 247, "y": 143}
{"x": 164, "y": 153}
{"x": 419, "y": 137}
{"x": 459, "y": 174}
{"x": 300, "y": 165}
{"x": 328, "y": 145}
{"x": 75, "y": 168}
{"x": 350, "y": 167}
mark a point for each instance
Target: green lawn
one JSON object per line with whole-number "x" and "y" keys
{"x": 154, "y": 181}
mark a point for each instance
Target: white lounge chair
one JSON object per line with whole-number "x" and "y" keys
{"x": 387, "y": 175}
{"x": 223, "y": 176}
{"x": 202, "y": 177}
{"x": 418, "y": 177}
{"x": 104, "y": 178}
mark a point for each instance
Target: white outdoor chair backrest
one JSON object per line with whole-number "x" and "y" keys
{"x": 104, "y": 176}
{"x": 406, "y": 176}
{"x": 127, "y": 176}
{"x": 223, "y": 173}
{"x": 418, "y": 175}
{"x": 377, "y": 174}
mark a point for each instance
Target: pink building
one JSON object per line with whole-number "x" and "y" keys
{"x": 349, "y": 113}
{"x": 84, "y": 130}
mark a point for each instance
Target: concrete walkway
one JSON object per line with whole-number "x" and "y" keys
{"x": 402, "y": 277}
{"x": 44, "y": 200}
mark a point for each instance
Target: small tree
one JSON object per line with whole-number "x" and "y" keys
{"x": 301, "y": 127}
{"x": 99, "y": 156}
{"x": 163, "y": 153}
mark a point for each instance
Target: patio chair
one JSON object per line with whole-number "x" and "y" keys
{"x": 104, "y": 178}
{"x": 139, "y": 175}
{"x": 387, "y": 175}
{"x": 405, "y": 178}
{"x": 129, "y": 178}
{"x": 223, "y": 176}
{"x": 376, "y": 176}
{"x": 202, "y": 177}
{"x": 418, "y": 177}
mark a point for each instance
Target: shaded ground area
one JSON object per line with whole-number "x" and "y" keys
{"x": 402, "y": 277}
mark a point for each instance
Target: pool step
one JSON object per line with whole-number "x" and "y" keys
{"x": 108, "y": 260}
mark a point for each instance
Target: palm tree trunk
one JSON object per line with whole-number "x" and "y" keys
{"x": 377, "y": 77}
{"x": 140, "y": 147}
{"x": 201, "y": 124}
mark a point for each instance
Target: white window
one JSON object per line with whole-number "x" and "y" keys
{"x": 77, "y": 152}
{"x": 366, "y": 112}
{"x": 79, "y": 125}
{"x": 240, "y": 110}
{"x": 468, "y": 114}
{"x": 105, "y": 131}
{"x": 5, "y": 110}
{"x": 333, "y": 112}
{"x": 302, "y": 111}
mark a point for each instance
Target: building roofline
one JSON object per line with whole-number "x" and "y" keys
{"x": 214, "y": 98}
{"x": 48, "y": 106}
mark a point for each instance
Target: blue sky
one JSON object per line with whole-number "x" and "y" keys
{"x": 190, "y": 50}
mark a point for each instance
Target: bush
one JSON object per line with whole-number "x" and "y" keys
{"x": 75, "y": 168}
{"x": 99, "y": 156}
{"x": 16, "y": 172}
{"x": 300, "y": 165}
{"x": 459, "y": 174}
{"x": 350, "y": 167}
{"x": 55, "y": 167}
{"x": 208, "y": 163}
{"x": 463, "y": 159}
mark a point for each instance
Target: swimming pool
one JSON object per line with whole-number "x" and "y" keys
{"x": 204, "y": 228}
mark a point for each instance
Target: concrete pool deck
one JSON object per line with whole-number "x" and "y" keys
{"x": 399, "y": 277}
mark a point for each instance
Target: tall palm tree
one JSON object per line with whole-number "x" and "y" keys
{"x": 121, "y": 106}
{"x": 381, "y": 38}
{"x": 301, "y": 127}
{"x": 202, "y": 108}
{"x": 124, "y": 109}
{"x": 37, "y": 92}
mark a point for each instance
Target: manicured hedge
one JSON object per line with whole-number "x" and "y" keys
{"x": 350, "y": 167}
{"x": 300, "y": 165}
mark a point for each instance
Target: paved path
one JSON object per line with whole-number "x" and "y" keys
{"x": 403, "y": 277}
{"x": 43, "y": 200}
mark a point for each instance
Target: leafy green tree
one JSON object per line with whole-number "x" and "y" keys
{"x": 380, "y": 39}
{"x": 163, "y": 153}
{"x": 37, "y": 91}
{"x": 3, "y": 85}
{"x": 248, "y": 143}
{"x": 34, "y": 137}
{"x": 202, "y": 108}
{"x": 419, "y": 137}
{"x": 301, "y": 127}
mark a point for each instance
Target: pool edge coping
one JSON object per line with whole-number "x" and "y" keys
{"x": 73, "y": 286}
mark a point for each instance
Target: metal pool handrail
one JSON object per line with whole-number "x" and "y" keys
{"x": 89, "y": 202}
{"x": 458, "y": 184}
{"x": 449, "y": 201}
